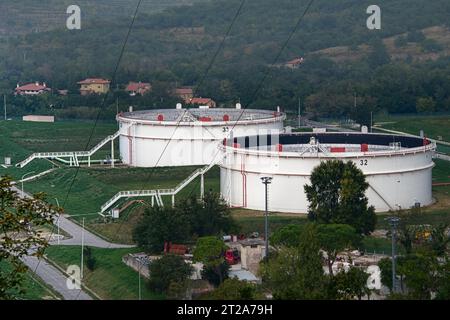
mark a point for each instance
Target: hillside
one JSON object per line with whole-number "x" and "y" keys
{"x": 411, "y": 50}
{"x": 30, "y": 16}
{"x": 173, "y": 46}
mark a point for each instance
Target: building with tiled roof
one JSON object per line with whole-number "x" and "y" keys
{"x": 32, "y": 89}
{"x": 94, "y": 86}
{"x": 135, "y": 88}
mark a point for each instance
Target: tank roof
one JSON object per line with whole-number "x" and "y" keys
{"x": 200, "y": 114}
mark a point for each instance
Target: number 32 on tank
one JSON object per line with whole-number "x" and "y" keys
{"x": 363, "y": 162}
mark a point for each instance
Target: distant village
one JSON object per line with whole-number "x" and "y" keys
{"x": 91, "y": 86}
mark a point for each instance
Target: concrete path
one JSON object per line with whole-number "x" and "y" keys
{"x": 442, "y": 156}
{"x": 54, "y": 278}
{"x": 76, "y": 232}
{"x": 51, "y": 275}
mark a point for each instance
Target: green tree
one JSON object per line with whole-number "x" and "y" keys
{"x": 169, "y": 272}
{"x": 415, "y": 36}
{"x": 379, "y": 55}
{"x": 90, "y": 260}
{"x": 160, "y": 224}
{"x": 288, "y": 236}
{"x": 401, "y": 42}
{"x": 440, "y": 238}
{"x": 351, "y": 284}
{"x": 385, "y": 266}
{"x": 297, "y": 273}
{"x": 233, "y": 289}
{"x": 337, "y": 195}
{"x": 334, "y": 238}
{"x": 425, "y": 104}
{"x": 19, "y": 219}
{"x": 210, "y": 251}
{"x": 209, "y": 216}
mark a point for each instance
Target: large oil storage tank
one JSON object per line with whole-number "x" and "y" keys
{"x": 397, "y": 168}
{"x": 181, "y": 137}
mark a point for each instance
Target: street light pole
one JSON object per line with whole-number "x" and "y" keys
{"x": 82, "y": 250}
{"x": 21, "y": 180}
{"x": 139, "y": 272}
{"x": 393, "y": 221}
{"x": 266, "y": 181}
{"x": 57, "y": 203}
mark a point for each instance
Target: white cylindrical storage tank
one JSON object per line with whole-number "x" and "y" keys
{"x": 397, "y": 168}
{"x": 182, "y": 137}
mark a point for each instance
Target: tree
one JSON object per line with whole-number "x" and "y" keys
{"x": 337, "y": 195}
{"x": 169, "y": 272}
{"x": 334, "y": 238}
{"x": 420, "y": 272}
{"x": 440, "y": 238}
{"x": 351, "y": 283}
{"x": 210, "y": 216}
{"x": 210, "y": 251}
{"x": 425, "y": 104}
{"x": 401, "y": 41}
{"x": 90, "y": 260}
{"x": 379, "y": 55}
{"x": 385, "y": 266}
{"x": 158, "y": 225}
{"x": 288, "y": 236}
{"x": 233, "y": 289}
{"x": 415, "y": 36}
{"x": 189, "y": 219}
{"x": 297, "y": 273}
{"x": 19, "y": 218}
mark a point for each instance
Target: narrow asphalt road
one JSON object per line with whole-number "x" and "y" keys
{"x": 51, "y": 275}
{"x": 76, "y": 232}
{"x": 54, "y": 278}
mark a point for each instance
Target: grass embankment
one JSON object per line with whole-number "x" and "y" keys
{"x": 19, "y": 139}
{"x": 111, "y": 278}
{"x": 433, "y": 126}
{"x": 34, "y": 288}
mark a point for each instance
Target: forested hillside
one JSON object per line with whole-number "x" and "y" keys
{"x": 31, "y": 16}
{"x": 174, "y": 46}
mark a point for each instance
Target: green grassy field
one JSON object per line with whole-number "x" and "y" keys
{"x": 34, "y": 288}
{"x": 433, "y": 126}
{"x": 111, "y": 279}
{"x": 19, "y": 139}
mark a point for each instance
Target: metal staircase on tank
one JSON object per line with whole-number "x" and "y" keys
{"x": 73, "y": 157}
{"x": 156, "y": 194}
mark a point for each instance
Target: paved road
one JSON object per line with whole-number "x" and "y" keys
{"x": 54, "y": 278}
{"x": 90, "y": 239}
{"x": 442, "y": 156}
{"x": 51, "y": 275}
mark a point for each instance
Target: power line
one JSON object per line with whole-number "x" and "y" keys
{"x": 219, "y": 48}
{"x": 267, "y": 73}
{"x": 99, "y": 112}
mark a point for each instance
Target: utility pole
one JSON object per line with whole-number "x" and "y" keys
{"x": 139, "y": 272}
{"x": 371, "y": 121}
{"x": 266, "y": 181}
{"x": 393, "y": 221}
{"x": 82, "y": 250}
{"x": 59, "y": 215}
{"x": 4, "y": 104}
{"x": 299, "y": 113}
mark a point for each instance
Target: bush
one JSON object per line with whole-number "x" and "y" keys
{"x": 169, "y": 272}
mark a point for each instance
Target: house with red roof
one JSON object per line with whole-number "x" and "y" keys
{"x": 295, "y": 63}
{"x": 185, "y": 93}
{"x": 94, "y": 86}
{"x": 32, "y": 89}
{"x": 135, "y": 88}
{"x": 203, "y": 102}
